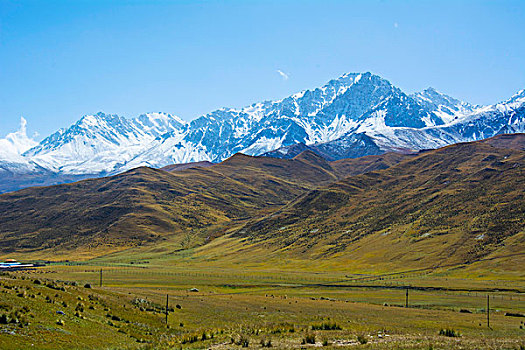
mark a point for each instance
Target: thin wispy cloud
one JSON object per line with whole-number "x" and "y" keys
{"x": 283, "y": 74}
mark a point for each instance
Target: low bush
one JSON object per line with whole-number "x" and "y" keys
{"x": 449, "y": 333}
{"x": 266, "y": 343}
{"x": 325, "y": 326}
{"x": 190, "y": 339}
{"x": 362, "y": 339}
{"x": 243, "y": 341}
{"x": 309, "y": 339}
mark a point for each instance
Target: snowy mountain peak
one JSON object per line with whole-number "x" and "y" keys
{"x": 443, "y": 106}
{"x": 348, "y": 79}
{"x": 352, "y": 115}
{"x": 163, "y": 116}
{"x": 434, "y": 97}
{"x": 101, "y": 143}
{"x": 97, "y": 120}
{"x": 517, "y": 99}
{"x": 159, "y": 123}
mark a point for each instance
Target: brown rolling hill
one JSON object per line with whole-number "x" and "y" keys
{"x": 356, "y": 166}
{"x": 146, "y": 205}
{"x": 184, "y": 166}
{"x": 459, "y": 204}
{"x": 453, "y": 205}
{"x": 512, "y": 141}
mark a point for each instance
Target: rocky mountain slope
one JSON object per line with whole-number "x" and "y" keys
{"x": 352, "y": 116}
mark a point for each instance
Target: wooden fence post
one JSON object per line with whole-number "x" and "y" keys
{"x": 488, "y": 311}
{"x": 167, "y": 301}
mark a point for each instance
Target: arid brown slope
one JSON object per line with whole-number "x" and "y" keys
{"x": 356, "y": 166}
{"x": 143, "y": 204}
{"x": 184, "y": 166}
{"x": 512, "y": 141}
{"x": 451, "y": 205}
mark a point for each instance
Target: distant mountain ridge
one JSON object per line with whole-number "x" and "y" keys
{"x": 100, "y": 143}
{"x": 355, "y": 115}
{"x": 461, "y": 123}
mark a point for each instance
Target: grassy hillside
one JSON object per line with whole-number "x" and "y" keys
{"x": 356, "y": 166}
{"x": 293, "y": 253}
{"x": 184, "y": 166}
{"x": 459, "y": 204}
{"x": 147, "y": 205}
{"x": 453, "y": 205}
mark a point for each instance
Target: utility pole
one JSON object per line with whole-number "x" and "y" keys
{"x": 406, "y": 299}
{"x": 100, "y": 278}
{"x": 167, "y": 301}
{"x": 488, "y": 311}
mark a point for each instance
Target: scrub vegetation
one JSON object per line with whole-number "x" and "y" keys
{"x": 381, "y": 252}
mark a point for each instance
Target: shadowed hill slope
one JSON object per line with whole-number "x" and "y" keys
{"x": 356, "y": 166}
{"x": 184, "y": 166}
{"x": 512, "y": 141}
{"x": 452, "y": 205}
{"x": 144, "y": 204}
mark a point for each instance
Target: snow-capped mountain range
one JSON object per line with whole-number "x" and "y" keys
{"x": 354, "y": 115}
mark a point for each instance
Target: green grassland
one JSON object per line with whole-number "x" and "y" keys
{"x": 237, "y": 305}
{"x": 256, "y": 251}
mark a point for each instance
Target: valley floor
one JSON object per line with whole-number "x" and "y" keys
{"x": 231, "y": 307}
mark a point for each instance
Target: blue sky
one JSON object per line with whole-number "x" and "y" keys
{"x": 60, "y": 60}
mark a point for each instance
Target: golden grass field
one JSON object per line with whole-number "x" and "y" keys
{"x": 240, "y": 306}
{"x": 288, "y": 254}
